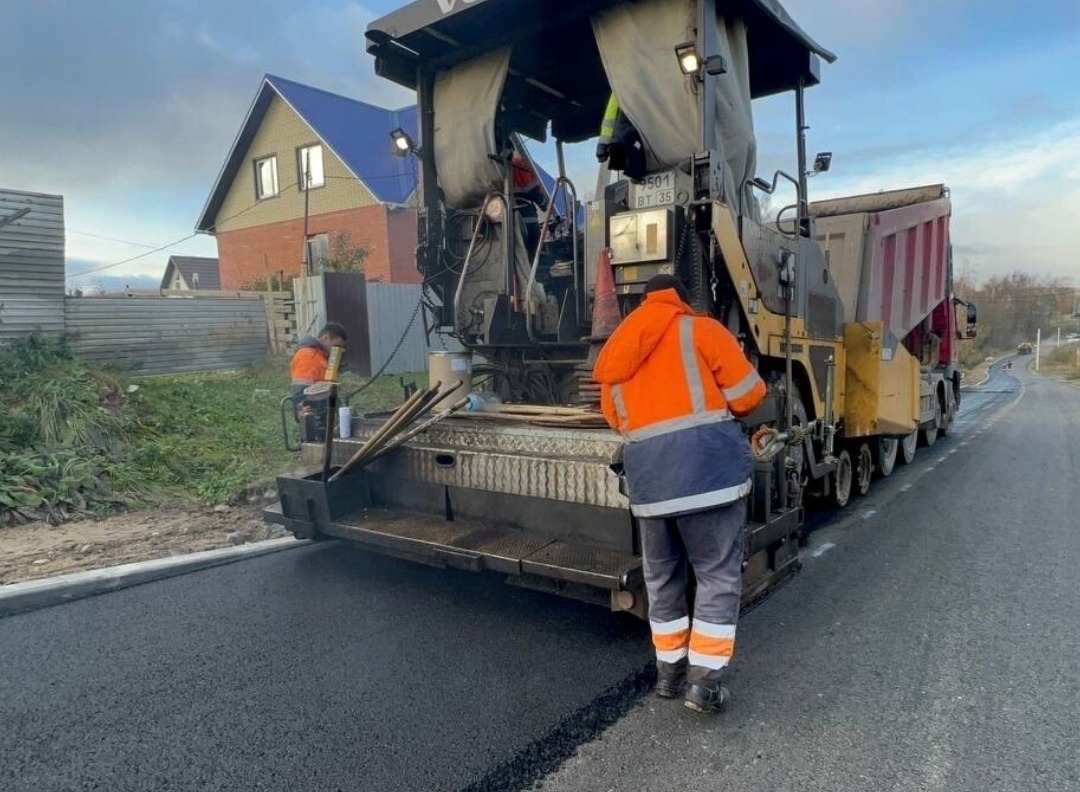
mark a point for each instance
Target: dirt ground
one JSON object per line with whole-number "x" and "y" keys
{"x": 976, "y": 375}
{"x": 37, "y": 550}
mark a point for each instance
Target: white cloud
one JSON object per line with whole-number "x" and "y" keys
{"x": 1016, "y": 202}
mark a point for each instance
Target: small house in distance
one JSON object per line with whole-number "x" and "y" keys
{"x": 191, "y": 273}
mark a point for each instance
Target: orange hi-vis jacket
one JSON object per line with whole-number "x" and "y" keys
{"x": 671, "y": 383}
{"x": 308, "y": 365}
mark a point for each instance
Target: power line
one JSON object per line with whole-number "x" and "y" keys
{"x": 134, "y": 258}
{"x": 108, "y": 238}
{"x": 192, "y": 236}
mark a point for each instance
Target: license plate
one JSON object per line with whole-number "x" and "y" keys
{"x": 656, "y": 190}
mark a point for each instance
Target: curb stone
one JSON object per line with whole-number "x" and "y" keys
{"x": 986, "y": 379}
{"x": 35, "y": 594}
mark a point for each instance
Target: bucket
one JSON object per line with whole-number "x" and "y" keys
{"x": 448, "y": 368}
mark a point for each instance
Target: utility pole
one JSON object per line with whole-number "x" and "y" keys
{"x": 1059, "y": 337}
{"x": 1038, "y": 348}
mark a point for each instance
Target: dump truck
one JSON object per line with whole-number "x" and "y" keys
{"x": 845, "y": 307}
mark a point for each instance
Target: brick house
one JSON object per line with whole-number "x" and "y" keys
{"x": 256, "y": 209}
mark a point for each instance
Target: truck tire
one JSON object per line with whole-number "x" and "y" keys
{"x": 947, "y": 424}
{"x": 864, "y": 468}
{"x": 841, "y": 479}
{"x": 908, "y": 446}
{"x": 888, "y": 448}
{"x": 930, "y": 436}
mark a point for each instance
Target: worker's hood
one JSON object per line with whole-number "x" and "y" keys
{"x": 310, "y": 342}
{"x": 638, "y": 337}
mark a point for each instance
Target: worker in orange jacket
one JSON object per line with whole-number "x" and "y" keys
{"x": 309, "y": 362}
{"x": 672, "y": 382}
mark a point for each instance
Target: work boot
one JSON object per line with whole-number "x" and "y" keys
{"x": 707, "y": 693}
{"x": 670, "y": 678}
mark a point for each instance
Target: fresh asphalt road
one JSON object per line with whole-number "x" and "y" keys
{"x": 928, "y": 644}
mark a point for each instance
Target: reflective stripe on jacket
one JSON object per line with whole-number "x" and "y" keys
{"x": 611, "y": 117}
{"x": 671, "y": 381}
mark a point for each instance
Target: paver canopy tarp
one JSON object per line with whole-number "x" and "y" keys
{"x": 637, "y": 44}
{"x": 466, "y": 100}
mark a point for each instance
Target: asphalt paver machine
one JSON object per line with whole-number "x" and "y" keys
{"x": 511, "y": 270}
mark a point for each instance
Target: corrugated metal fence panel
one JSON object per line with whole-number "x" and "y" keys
{"x": 163, "y": 335}
{"x": 390, "y": 308}
{"x": 31, "y": 263}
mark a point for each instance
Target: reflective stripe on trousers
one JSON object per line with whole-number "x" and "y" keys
{"x": 712, "y": 543}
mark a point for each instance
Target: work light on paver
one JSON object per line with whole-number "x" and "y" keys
{"x": 822, "y": 162}
{"x": 689, "y": 60}
{"x": 403, "y": 143}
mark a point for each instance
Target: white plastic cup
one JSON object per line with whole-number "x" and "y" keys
{"x": 344, "y": 422}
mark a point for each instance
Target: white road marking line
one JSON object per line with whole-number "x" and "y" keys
{"x": 869, "y": 513}
{"x": 820, "y": 551}
{"x": 905, "y": 488}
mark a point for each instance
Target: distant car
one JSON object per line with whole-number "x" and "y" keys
{"x": 1025, "y": 349}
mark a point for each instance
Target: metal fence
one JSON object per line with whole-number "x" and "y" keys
{"x": 168, "y": 335}
{"x": 31, "y": 264}
{"x": 390, "y": 308}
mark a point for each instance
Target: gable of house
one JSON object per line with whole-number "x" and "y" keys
{"x": 286, "y": 117}
{"x": 192, "y": 272}
{"x": 281, "y": 136}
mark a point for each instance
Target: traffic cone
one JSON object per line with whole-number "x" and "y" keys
{"x": 606, "y": 315}
{"x": 605, "y": 318}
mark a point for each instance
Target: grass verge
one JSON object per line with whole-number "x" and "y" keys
{"x": 80, "y": 439}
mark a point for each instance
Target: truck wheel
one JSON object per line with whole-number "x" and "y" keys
{"x": 864, "y": 468}
{"x": 887, "y": 449}
{"x": 947, "y": 424}
{"x": 929, "y": 436}
{"x": 908, "y": 446}
{"x": 841, "y": 479}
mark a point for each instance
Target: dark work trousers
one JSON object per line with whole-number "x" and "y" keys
{"x": 712, "y": 543}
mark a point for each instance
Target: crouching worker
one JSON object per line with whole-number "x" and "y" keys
{"x": 307, "y": 367}
{"x": 672, "y": 383}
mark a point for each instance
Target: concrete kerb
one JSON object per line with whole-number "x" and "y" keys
{"x": 986, "y": 379}
{"x": 35, "y": 594}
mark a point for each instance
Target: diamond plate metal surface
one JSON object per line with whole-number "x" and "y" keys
{"x": 463, "y": 434}
{"x": 570, "y": 465}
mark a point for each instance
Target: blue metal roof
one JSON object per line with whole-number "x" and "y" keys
{"x": 359, "y": 133}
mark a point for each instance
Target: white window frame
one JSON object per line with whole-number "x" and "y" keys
{"x": 318, "y": 172}
{"x": 261, "y": 191}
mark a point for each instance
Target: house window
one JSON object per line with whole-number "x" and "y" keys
{"x": 318, "y": 251}
{"x": 309, "y": 163}
{"x": 266, "y": 181}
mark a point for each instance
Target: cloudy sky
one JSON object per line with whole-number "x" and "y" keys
{"x": 128, "y": 108}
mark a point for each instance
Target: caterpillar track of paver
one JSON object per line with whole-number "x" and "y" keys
{"x": 845, "y": 306}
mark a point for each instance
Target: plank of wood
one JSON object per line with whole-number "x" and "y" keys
{"x": 541, "y": 409}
